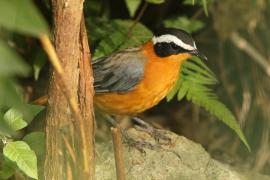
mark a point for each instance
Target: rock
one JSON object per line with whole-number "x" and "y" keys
{"x": 181, "y": 160}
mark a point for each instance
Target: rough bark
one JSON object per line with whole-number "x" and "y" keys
{"x": 69, "y": 141}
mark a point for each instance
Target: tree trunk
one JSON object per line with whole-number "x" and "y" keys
{"x": 70, "y": 141}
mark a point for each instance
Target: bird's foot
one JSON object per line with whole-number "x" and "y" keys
{"x": 159, "y": 135}
{"x": 140, "y": 145}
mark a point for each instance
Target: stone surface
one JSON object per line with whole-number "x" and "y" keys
{"x": 182, "y": 160}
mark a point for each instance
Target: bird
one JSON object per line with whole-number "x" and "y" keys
{"x": 132, "y": 80}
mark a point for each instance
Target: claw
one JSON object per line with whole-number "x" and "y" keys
{"x": 139, "y": 145}
{"x": 158, "y": 134}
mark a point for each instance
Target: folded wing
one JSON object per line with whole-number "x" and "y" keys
{"x": 119, "y": 72}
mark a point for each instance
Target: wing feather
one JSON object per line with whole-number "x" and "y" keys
{"x": 120, "y": 72}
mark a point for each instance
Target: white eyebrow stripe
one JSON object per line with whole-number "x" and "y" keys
{"x": 168, "y": 38}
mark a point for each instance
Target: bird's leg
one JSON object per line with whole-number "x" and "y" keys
{"x": 158, "y": 134}
{"x": 139, "y": 145}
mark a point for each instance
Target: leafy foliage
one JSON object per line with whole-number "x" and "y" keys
{"x": 114, "y": 35}
{"x": 200, "y": 2}
{"x": 14, "y": 119}
{"x": 25, "y": 158}
{"x": 31, "y": 112}
{"x": 23, "y": 17}
{"x": 19, "y": 151}
{"x": 132, "y": 6}
{"x": 9, "y": 93}
{"x": 5, "y": 130}
{"x": 182, "y": 22}
{"x": 36, "y": 140}
{"x": 195, "y": 77}
{"x": 11, "y": 63}
{"x": 17, "y": 120}
{"x": 7, "y": 168}
{"x": 156, "y": 1}
{"x": 38, "y": 63}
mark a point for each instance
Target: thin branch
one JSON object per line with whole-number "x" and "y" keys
{"x": 244, "y": 45}
{"x": 41, "y": 100}
{"x": 197, "y": 14}
{"x": 48, "y": 47}
{"x": 137, "y": 18}
{"x": 263, "y": 153}
{"x": 245, "y": 108}
{"x": 118, "y": 153}
{"x": 69, "y": 149}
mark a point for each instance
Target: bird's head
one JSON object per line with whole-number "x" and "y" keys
{"x": 176, "y": 43}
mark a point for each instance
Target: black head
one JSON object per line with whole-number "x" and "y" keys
{"x": 171, "y": 41}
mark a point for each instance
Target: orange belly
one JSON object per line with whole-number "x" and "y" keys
{"x": 160, "y": 74}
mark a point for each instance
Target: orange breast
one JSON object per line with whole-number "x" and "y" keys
{"x": 159, "y": 77}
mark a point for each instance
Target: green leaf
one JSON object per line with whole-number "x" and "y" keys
{"x": 132, "y": 6}
{"x": 174, "y": 90}
{"x": 182, "y": 91}
{"x": 200, "y": 2}
{"x": 205, "y": 7}
{"x": 189, "y": 2}
{"x": 98, "y": 28}
{"x": 25, "y": 158}
{"x": 194, "y": 78}
{"x": 94, "y": 8}
{"x": 18, "y": 119}
{"x": 218, "y": 109}
{"x": 14, "y": 119}
{"x": 31, "y": 111}
{"x": 191, "y": 67}
{"x": 156, "y": 1}
{"x": 22, "y": 16}
{"x": 36, "y": 140}
{"x": 116, "y": 34}
{"x": 5, "y": 130}
{"x": 182, "y": 22}
{"x": 39, "y": 62}
{"x": 11, "y": 63}
{"x": 9, "y": 94}
{"x": 7, "y": 168}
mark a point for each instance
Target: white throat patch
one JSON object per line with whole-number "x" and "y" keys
{"x": 168, "y": 38}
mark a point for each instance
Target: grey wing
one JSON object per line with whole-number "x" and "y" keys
{"x": 120, "y": 72}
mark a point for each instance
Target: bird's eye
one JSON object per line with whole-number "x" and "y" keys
{"x": 174, "y": 46}
{"x": 158, "y": 45}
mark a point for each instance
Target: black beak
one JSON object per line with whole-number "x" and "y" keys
{"x": 198, "y": 54}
